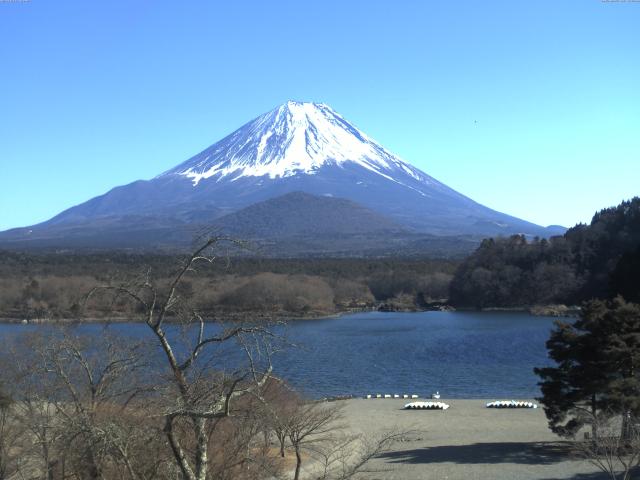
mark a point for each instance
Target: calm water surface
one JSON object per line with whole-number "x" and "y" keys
{"x": 460, "y": 354}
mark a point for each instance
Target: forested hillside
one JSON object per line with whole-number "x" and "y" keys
{"x": 599, "y": 260}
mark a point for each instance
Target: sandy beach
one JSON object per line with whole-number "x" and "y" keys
{"x": 468, "y": 441}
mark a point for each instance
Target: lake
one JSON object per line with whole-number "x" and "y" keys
{"x": 459, "y": 354}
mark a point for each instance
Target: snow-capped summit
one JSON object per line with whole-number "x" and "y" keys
{"x": 251, "y": 180}
{"x": 294, "y": 138}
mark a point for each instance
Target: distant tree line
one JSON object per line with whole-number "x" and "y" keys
{"x": 53, "y": 285}
{"x": 600, "y": 260}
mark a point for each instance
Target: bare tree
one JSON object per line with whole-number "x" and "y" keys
{"x": 310, "y": 426}
{"x": 10, "y": 436}
{"x": 315, "y": 431}
{"x": 613, "y": 451}
{"x": 198, "y": 390}
{"x": 279, "y": 404}
{"x": 317, "y": 436}
{"x": 350, "y": 456}
{"x": 20, "y": 369}
{"x": 77, "y": 397}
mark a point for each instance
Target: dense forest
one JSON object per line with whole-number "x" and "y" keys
{"x": 36, "y": 286}
{"x": 599, "y": 260}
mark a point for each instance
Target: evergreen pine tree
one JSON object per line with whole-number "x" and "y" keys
{"x": 597, "y": 359}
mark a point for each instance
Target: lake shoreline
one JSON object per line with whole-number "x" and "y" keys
{"x": 232, "y": 317}
{"x": 535, "y": 310}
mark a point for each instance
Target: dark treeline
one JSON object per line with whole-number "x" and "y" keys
{"x": 600, "y": 260}
{"x": 53, "y": 285}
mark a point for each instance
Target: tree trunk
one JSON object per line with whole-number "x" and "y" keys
{"x": 178, "y": 452}
{"x": 296, "y": 475}
{"x": 49, "y": 463}
{"x": 202, "y": 458}
{"x": 94, "y": 470}
{"x": 594, "y": 424}
{"x": 625, "y": 433}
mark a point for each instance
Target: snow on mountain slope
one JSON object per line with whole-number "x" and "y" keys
{"x": 296, "y": 138}
{"x": 296, "y": 147}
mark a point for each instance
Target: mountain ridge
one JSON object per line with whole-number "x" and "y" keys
{"x": 296, "y": 147}
{"x": 299, "y": 213}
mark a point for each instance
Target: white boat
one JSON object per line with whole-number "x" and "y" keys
{"x": 511, "y": 404}
{"x": 426, "y": 406}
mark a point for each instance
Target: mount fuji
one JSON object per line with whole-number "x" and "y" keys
{"x": 328, "y": 172}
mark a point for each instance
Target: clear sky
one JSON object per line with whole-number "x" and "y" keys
{"x": 531, "y": 108}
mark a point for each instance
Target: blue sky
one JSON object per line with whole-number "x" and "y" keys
{"x": 531, "y": 108}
